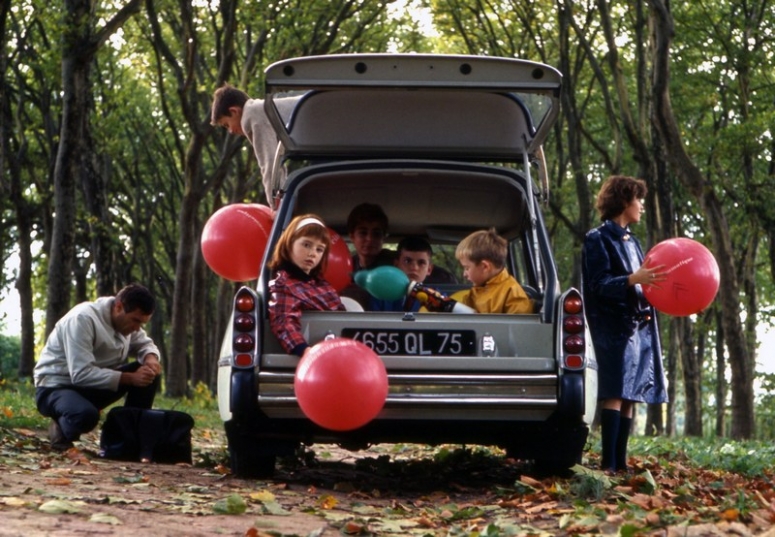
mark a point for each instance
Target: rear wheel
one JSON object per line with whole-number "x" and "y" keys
{"x": 246, "y": 460}
{"x": 554, "y": 467}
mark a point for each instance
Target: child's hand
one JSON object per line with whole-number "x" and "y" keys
{"x": 432, "y": 299}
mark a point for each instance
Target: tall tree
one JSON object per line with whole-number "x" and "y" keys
{"x": 75, "y": 159}
{"x": 184, "y": 36}
{"x": 28, "y": 127}
{"x": 694, "y": 181}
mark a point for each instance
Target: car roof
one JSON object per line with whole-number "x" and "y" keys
{"x": 465, "y": 107}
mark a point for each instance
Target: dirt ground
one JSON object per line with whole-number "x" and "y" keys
{"x": 328, "y": 492}
{"x": 395, "y": 490}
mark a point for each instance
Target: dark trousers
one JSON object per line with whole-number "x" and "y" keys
{"x": 77, "y": 410}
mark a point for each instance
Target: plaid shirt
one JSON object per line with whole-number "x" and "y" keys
{"x": 292, "y": 292}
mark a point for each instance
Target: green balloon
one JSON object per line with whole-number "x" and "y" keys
{"x": 361, "y": 277}
{"x": 384, "y": 283}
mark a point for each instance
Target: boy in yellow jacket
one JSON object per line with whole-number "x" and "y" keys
{"x": 482, "y": 255}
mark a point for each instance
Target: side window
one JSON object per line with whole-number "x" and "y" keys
{"x": 524, "y": 269}
{"x": 444, "y": 257}
{"x": 519, "y": 262}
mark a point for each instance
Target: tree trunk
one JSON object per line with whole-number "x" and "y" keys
{"x": 573, "y": 134}
{"x": 178, "y": 369}
{"x": 76, "y": 147}
{"x": 692, "y": 377}
{"x": 691, "y": 177}
{"x": 721, "y": 379}
{"x": 671, "y": 359}
{"x": 23, "y": 285}
{"x": 200, "y": 370}
{"x": 95, "y": 189}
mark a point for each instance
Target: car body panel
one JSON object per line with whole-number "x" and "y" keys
{"x": 445, "y": 145}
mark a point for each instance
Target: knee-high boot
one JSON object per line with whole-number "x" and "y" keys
{"x": 609, "y": 430}
{"x": 625, "y": 424}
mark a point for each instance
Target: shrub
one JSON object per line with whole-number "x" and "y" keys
{"x": 10, "y": 349}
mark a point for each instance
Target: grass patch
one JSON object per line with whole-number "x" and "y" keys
{"x": 17, "y": 406}
{"x": 751, "y": 458}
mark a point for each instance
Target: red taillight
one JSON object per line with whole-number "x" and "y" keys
{"x": 573, "y": 344}
{"x": 244, "y": 302}
{"x": 574, "y": 361}
{"x": 244, "y": 322}
{"x": 572, "y": 304}
{"x": 243, "y": 360}
{"x": 573, "y": 324}
{"x": 243, "y": 343}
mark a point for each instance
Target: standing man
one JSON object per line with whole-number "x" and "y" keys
{"x": 234, "y": 110}
{"x": 83, "y": 367}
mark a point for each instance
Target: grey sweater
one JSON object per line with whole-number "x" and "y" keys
{"x": 84, "y": 349}
{"x": 256, "y": 126}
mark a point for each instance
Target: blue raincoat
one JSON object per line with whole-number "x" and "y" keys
{"x": 622, "y": 323}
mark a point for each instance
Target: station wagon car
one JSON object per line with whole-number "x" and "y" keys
{"x": 446, "y": 145}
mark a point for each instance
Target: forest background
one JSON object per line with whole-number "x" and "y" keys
{"x": 110, "y": 167}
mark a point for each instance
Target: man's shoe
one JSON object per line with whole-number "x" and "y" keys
{"x": 57, "y": 438}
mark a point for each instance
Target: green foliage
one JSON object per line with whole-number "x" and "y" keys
{"x": 765, "y": 407}
{"x": 151, "y": 109}
{"x": 10, "y": 349}
{"x": 748, "y": 458}
{"x": 590, "y": 484}
{"x": 17, "y": 407}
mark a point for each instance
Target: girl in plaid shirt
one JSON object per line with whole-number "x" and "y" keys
{"x": 300, "y": 258}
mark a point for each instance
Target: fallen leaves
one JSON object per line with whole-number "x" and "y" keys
{"x": 56, "y": 507}
{"x": 103, "y": 518}
{"x": 234, "y": 504}
{"x": 394, "y": 490}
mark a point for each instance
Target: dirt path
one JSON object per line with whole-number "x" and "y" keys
{"x": 389, "y": 490}
{"x": 43, "y": 492}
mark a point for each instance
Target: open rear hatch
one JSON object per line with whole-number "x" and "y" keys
{"x": 438, "y": 106}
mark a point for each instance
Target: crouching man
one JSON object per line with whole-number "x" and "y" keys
{"x": 84, "y": 365}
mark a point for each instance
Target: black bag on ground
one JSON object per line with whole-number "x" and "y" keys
{"x": 135, "y": 434}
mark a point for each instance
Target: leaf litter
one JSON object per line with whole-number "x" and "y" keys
{"x": 402, "y": 490}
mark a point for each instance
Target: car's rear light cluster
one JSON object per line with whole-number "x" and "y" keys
{"x": 245, "y": 333}
{"x": 572, "y": 327}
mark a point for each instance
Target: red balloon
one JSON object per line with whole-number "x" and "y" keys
{"x": 234, "y": 239}
{"x": 692, "y": 277}
{"x": 341, "y": 384}
{"x": 340, "y": 265}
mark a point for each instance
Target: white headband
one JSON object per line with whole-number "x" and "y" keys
{"x": 308, "y": 221}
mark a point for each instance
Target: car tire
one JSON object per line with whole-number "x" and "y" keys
{"x": 245, "y": 460}
{"x": 553, "y": 467}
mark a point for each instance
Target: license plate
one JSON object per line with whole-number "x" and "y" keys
{"x": 416, "y": 342}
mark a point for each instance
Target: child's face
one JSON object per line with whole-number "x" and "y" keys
{"x": 416, "y": 265}
{"x": 307, "y": 252}
{"x": 476, "y": 273}
{"x": 233, "y": 122}
{"x": 368, "y": 238}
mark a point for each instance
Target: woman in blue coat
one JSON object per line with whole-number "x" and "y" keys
{"x": 622, "y": 323}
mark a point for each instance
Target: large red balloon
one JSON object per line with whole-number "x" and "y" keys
{"x": 234, "y": 239}
{"x": 692, "y": 277}
{"x": 341, "y": 384}
{"x": 340, "y": 265}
